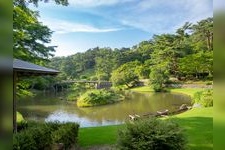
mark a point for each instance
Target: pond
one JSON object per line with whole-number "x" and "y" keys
{"x": 49, "y": 107}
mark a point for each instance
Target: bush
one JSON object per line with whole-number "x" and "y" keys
{"x": 151, "y": 134}
{"x": 21, "y": 125}
{"x": 35, "y": 136}
{"x": 66, "y": 134}
{"x": 23, "y": 141}
{"x": 72, "y": 96}
{"x": 97, "y": 97}
{"x": 38, "y": 137}
{"x": 205, "y": 98}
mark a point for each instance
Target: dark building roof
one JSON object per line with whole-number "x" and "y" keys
{"x": 26, "y": 68}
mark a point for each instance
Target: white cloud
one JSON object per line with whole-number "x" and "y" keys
{"x": 160, "y": 16}
{"x": 95, "y": 3}
{"x": 62, "y": 27}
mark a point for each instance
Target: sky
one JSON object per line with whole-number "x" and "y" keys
{"x": 86, "y": 24}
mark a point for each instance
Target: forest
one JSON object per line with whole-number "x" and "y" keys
{"x": 184, "y": 55}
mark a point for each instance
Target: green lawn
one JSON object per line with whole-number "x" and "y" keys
{"x": 98, "y": 135}
{"x": 197, "y": 124}
{"x": 187, "y": 91}
{"x": 142, "y": 89}
{"x": 198, "y": 127}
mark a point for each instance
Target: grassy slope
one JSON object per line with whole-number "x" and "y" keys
{"x": 197, "y": 123}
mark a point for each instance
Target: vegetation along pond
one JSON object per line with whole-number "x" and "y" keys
{"x": 50, "y": 107}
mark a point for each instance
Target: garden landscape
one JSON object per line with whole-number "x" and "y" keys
{"x": 154, "y": 93}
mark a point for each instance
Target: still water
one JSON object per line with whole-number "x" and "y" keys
{"x": 50, "y": 107}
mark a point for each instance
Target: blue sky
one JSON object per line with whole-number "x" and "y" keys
{"x": 87, "y": 24}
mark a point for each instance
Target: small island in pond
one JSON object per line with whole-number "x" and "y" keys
{"x": 98, "y": 97}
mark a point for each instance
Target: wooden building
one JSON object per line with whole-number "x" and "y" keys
{"x": 25, "y": 69}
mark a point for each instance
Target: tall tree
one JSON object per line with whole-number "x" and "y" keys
{"x": 203, "y": 34}
{"x": 29, "y": 35}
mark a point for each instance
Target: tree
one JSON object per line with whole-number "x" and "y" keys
{"x": 104, "y": 63}
{"x": 29, "y": 35}
{"x": 125, "y": 75}
{"x": 196, "y": 64}
{"x": 203, "y": 34}
{"x": 158, "y": 77}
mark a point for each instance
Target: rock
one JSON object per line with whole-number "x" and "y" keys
{"x": 183, "y": 107}
{"x": 196, "y": 105}
{"x": 165, "y": 112}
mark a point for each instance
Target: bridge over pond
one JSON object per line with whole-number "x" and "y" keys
{"x": 96, "y": 84}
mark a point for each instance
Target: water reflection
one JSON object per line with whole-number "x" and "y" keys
{"x": 51, "y": 108}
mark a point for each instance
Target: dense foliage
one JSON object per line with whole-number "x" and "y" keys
{"x": 126, "y": 74}
{"x": 35, "y": 136}
{"x": 158, "y": 76}
{"x": 151, "y": 134}
{"x": 186, "y": 54}
{"x": 97, "y": 97}
{"x": 30, "y": 39}
{"x": 204, "y": 98}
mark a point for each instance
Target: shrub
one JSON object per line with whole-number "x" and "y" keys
{"x": 72, "y": 96}
{"x": 97, "y": 97}
{"x": 32, "y": 138}
{"x": 35, "y": 136}
{"x": 23, "y": 141}
{"x": 209, "y": 83}
{"x": 21, "y": 125}
{"x": 66, "y": 134}
{"x": 205, "y": 98}
{"x": 151, "y": 134}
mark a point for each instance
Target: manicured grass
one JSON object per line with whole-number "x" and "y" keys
{"x": 142, "y": 89}
{"x": 98, "y": 135}
{"x": 187, "y": 91}
{"x": 198, "y": 127}
{"x": 197, "y": 124}
{"x": 19, "y": 117}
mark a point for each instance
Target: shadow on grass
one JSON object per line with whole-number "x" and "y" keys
{"x": 199, "y": 132}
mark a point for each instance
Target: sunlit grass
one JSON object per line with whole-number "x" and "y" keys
{"x": 198, "y": 127}
{"x": 98, "y": 135}
{"x": 187, "y": 91}
{"x": 142, "y": 89}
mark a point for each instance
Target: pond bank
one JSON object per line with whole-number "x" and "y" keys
{"x": 187, "y": 91}
{"x": 195, "y": 123}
